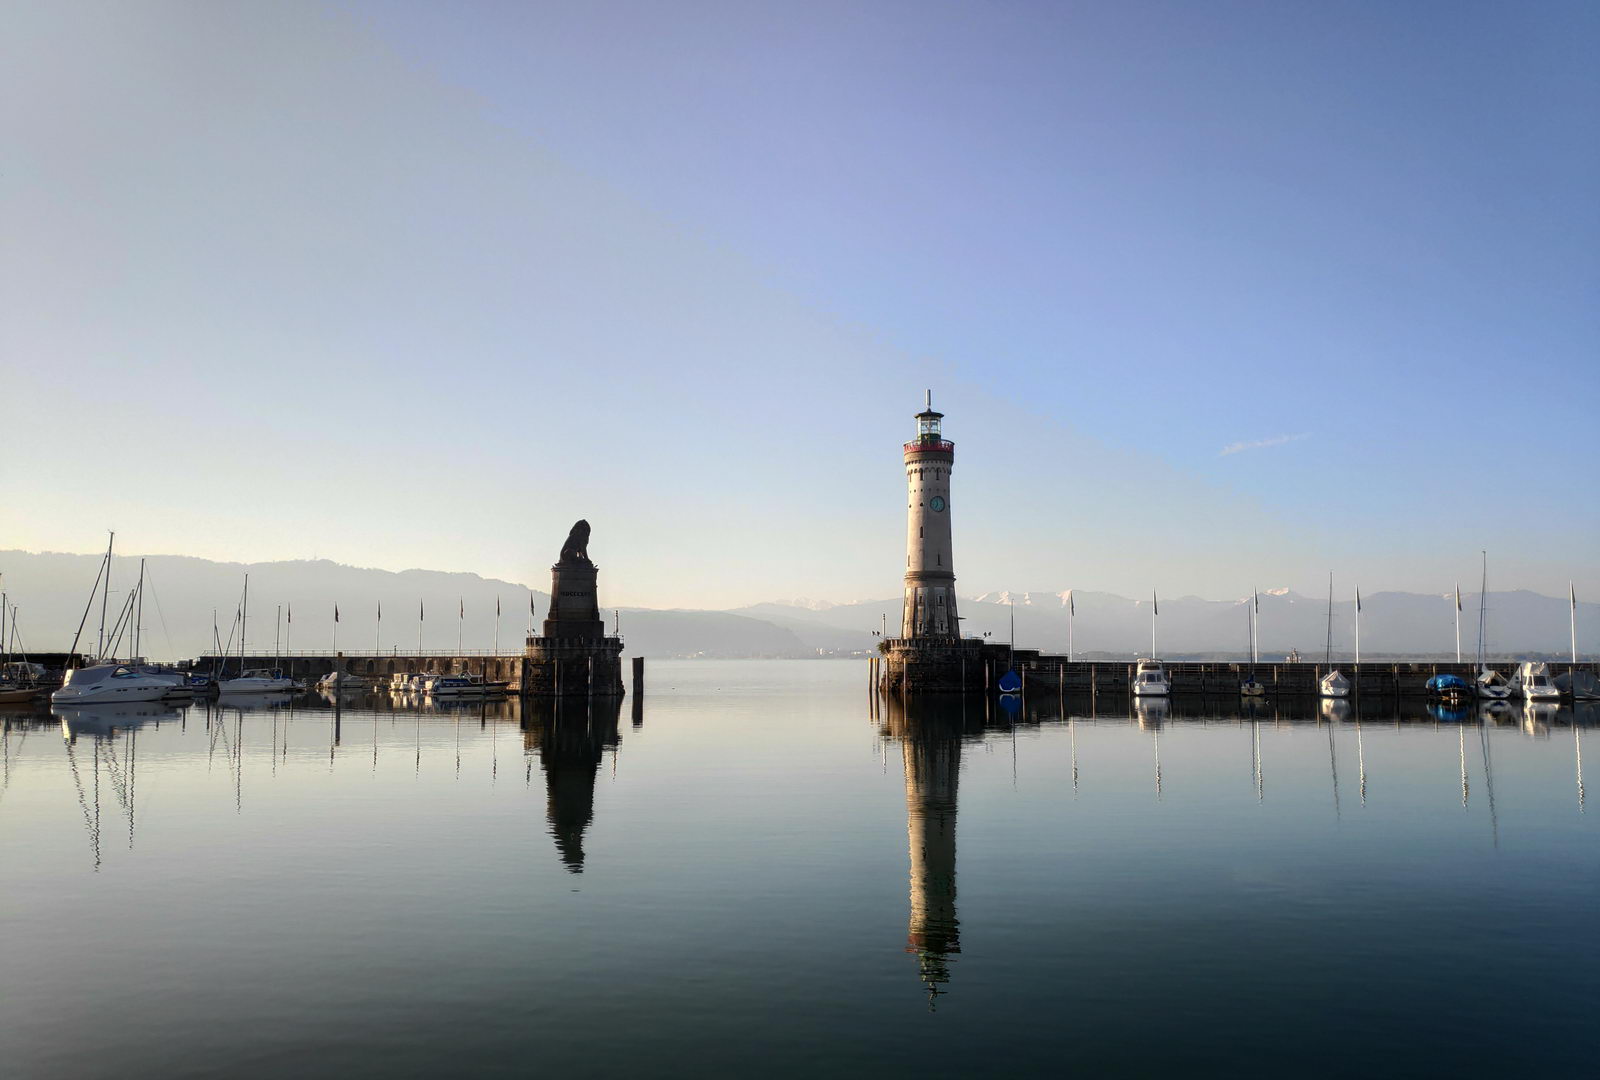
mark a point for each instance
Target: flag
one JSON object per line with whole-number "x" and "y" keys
{"x": 291, "y": 613}
{"x": 530, "y": 605}
{"x": 336, "y": 612}
{"x": 380, "y": 610}
{"x": 1072, "y": 603}
{"x": 497, "y": 607}
{"x": 1257, "y": 597}
{"x": 1572, "y": 596}
{"x": 1458, "y": 596}
{"x": 462, "y": 614}
{"x": 421, "y": 613}
{"x": 1358, "y": 599}
{"x": 1155, "y": 608}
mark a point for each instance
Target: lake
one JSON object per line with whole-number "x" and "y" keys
{"x": 756, "y": 869}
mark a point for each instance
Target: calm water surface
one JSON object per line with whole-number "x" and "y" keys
{"x": 757, "y": 872}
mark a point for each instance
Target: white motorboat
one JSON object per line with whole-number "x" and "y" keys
{"x": 258, "y": 681}
{"x": 342, "y": 682}
{"x": 1533, "y": 679}
{"x": 1492, "y": 685}
{"x": 463, "y": 686}
{"x": 106, "y": 683}
{"x": 1150, "y": 679}
{"x": 1334, "y": 685}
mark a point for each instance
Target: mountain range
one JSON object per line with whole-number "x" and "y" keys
{"x": 293, "y": 602}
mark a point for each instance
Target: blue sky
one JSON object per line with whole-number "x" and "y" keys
{"x": 409, "y": 284}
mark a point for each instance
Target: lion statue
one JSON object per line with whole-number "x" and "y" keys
{"x": 576, "y": 549}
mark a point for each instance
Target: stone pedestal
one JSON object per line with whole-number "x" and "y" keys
{"x": 574, "y": 602}
{"x": 935, "y": 665}
{"x": 573, "y": 657}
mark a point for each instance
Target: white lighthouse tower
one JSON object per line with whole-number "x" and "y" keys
{"x": 930, "y": 606}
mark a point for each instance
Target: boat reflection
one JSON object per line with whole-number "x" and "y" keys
{"x": 109, "y": 720}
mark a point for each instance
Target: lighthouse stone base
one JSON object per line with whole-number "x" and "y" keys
{"x": 937, "y": 665}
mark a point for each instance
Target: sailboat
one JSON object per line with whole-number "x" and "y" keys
{"x": 14, "y": 690}
{"x": 105, "y": 681}
{"x": 1490, "y": 683}
{"x": 1250, "y": 687}
{"x": 1333, "y": 684}
{"x": 256, "y": 680}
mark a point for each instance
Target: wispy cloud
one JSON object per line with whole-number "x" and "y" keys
{"x": 1262, "y": 444}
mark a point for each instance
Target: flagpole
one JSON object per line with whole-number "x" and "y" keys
{"x": 497, "y": 626}
{"x": 377, "y": 640}
{"x": 1572, "y": 597}
{"x": 1458, "y": 622}
{"x": 1155, "y": 608}
{"x": 421, "y": 613}
{"x": 336, "y": 629}
{"x": 461, "y": 618}
{"x": 1255, "y": 627}
{"x": 1358, "y": 624}
{"x": 1072, "y": 615}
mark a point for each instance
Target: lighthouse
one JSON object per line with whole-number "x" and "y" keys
{"x": 930, "y": 604}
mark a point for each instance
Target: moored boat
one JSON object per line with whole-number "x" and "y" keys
{"x": 1334, "y": 685}
{"x": 1150, "y": 679}
{"x": 1449, "y": 688}
{"x": 1578, "y": 685}
{"x": 343, "y": 682}
{"x": 1533, "y": 679}
{"x": 104, "y": 683}
{"x": 258, "y": 681}
{"x": 464, "y": 686}
{"x": 1491, "y": 684}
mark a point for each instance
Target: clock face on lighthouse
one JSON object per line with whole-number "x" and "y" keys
{"x": 936, "y": 503}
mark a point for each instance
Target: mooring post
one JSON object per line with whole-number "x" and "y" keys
{"x": 638, "y": 676}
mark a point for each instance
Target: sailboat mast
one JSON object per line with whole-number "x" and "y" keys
{"x": 277, "y": 639}
{"x": 1483, "y": 591}
{"x": 244, "y": 616}
{"x": 1155, "y": 606}
{"x": 138, "y": 618}
{"x": 1358, "y": 625}
{"x": 1327, "y": 648}
{"x": 105, "y": 598}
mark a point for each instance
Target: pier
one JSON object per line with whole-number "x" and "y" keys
{"x": 971, "y": 665}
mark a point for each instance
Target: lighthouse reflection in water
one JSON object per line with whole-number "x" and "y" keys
{"x": 930, "y": 734}
{"x": 759, "y": 875}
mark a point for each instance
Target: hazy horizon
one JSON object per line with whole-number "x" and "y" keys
{"x": 1212, "y": 297}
